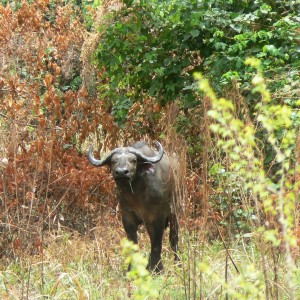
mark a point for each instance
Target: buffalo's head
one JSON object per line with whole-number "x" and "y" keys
{"x": 127, "y": 162}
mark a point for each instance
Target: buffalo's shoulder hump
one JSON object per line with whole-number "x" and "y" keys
{"x": 140, "y": 144}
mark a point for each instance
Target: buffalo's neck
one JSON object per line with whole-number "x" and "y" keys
{"x": 133, "y": 187}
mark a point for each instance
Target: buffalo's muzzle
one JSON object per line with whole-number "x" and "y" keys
{"x": 122, "y": 173}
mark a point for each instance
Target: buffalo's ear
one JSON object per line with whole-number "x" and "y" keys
{"x": 146, "y": 168}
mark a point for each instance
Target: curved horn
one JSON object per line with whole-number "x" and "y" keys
{"x": 152, "y": 159}
{"x": 100, "y": 162}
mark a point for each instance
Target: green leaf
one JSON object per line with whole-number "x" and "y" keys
{"x": 194, "y": 33}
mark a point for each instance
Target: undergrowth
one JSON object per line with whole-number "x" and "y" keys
{"x": 73, "y": 266}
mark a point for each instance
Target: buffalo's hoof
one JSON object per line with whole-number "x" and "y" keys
{"x": 156, "y": 269}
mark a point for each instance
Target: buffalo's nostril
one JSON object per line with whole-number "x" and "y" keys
{"x": 122, "y": 172}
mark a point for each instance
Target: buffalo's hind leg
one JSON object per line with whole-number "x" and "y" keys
{"x": 173, "y": 237}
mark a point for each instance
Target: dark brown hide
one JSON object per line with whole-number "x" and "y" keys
{"x": 145, "y": 184}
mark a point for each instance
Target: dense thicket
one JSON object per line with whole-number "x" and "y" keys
{"x": 149, "y": 51}
{"x": 152, "y": 49}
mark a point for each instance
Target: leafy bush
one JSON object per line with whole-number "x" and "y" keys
{"x": 238, "y": 141}
{"x": 152, "y": 48}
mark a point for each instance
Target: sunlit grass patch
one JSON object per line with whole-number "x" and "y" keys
{"x": 78, "y": 267}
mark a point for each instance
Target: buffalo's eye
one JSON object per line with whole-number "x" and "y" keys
{"x": 133, "y": 160}
{"x": 114, "y": 161}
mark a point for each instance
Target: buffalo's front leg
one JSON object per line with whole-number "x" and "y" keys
{"x": 156, "y": 231}
{"x": 130, "y": 223}
{"x": 130, "y": 227}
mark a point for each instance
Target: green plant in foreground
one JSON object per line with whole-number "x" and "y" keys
{"x": 246, "y": 285}
{"x": 238, "y": 140}
{"x": 140, "y": 276}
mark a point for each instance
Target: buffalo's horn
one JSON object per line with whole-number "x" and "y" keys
{"x": 100, "y": 162}
{"x": 151, "y": 159}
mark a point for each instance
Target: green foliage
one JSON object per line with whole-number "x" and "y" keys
{"x": 86, "y": 8}
{"x": 153, "y": 47}
{"x": 144, "y": 284}
{"x": 238, "y": 140}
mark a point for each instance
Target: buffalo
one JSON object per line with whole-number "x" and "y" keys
{"x": 146, "y": 188}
